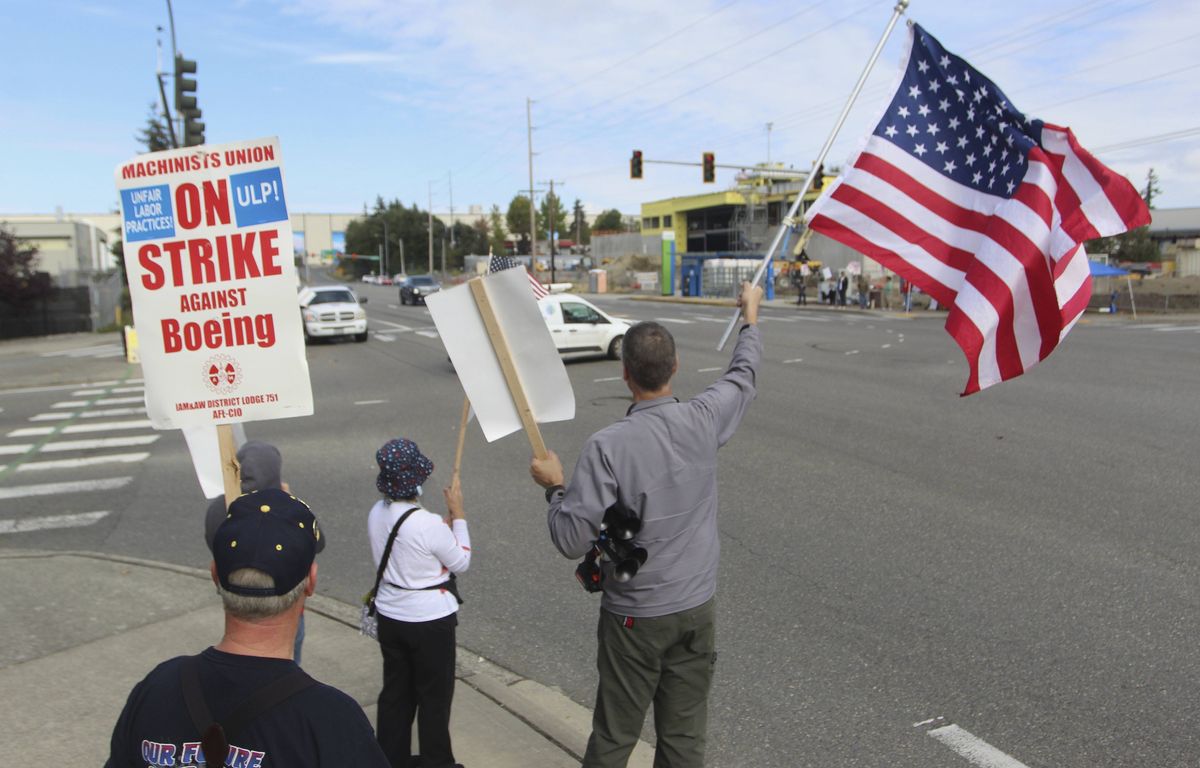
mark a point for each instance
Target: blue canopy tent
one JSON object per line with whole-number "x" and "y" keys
{"x": 1107, "y": 270}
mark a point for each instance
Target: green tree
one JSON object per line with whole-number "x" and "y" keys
{"x": 552, "y": 209}
{"x": 580, "y": 231}
{"x": 517, "y": 219}
{"x": 609, "y": 221}
{"x": 20, "y": 282}
{"x": 154, "y": 136}
{"x": 1151, "y": 190}
{"x": 496, "y": 232}
{"x": 407, "y": 235}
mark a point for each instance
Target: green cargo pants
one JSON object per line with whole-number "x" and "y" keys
{"x": 667, "y": 660}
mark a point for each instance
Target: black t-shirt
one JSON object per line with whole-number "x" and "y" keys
{"x": 319, "y": 726}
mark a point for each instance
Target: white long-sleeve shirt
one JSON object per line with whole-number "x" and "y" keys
{"x": 426, "y": 551}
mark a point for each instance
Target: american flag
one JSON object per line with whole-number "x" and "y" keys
{"x": 499, "y": 263}
{"x": 981, "y": 207}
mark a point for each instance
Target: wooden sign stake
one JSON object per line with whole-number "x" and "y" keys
{"x": 462, "y": 434}
{"x": 500, "y": 344}
{"x": 231, "y": 471}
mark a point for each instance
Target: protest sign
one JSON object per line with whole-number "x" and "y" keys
{"x": 213, "y": 284}
{"x": 518, "y": 337}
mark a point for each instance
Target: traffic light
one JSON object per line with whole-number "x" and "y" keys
{"x": 710, "y": 167}
{"x": 185, "y": 102}
{"x": 635, "y": 165}
{"x": 818, "y": 178}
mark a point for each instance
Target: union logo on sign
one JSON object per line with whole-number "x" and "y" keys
{"x": 222, "y": 374}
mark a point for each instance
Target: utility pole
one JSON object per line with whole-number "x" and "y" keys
{"x": 769, "y": 127}
{"x": 162, "y": 91}
{"x": 383, "y": 267}
{"x": 431, "y": 228}
{"x": 532, "y": 208}
{"x": 450, "y": 180}
{"x": 174, "y": 55}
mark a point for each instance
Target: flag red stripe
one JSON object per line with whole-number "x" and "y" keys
{"x": 994, "y": 227}
{"x": 970, "y": 339}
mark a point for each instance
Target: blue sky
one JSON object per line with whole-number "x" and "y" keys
{"x": 397, "y": 97}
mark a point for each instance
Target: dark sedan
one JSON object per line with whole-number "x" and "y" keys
{"x": 413, "y": 290}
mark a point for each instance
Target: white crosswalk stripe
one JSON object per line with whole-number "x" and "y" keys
{"x": 87, "y": 461}
{"x": 48, "y": 522}
{"x": 80, "y": 428}
{"x": 98, "y": 351}
{"x": 98, "y": 443}
{"x": 73, "y": 486}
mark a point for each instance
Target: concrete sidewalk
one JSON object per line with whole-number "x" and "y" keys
{"x": 78, "y": 630}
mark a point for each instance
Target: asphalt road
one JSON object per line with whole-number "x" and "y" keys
{"x": 1020, "y": 563}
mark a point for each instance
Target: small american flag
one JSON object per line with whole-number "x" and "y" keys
{"x": 982, "y": 208}
{"x": 500, "y": 263}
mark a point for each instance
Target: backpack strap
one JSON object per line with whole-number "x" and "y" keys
{"x": 383, "y": 561}
{"x": 213, "y": 735}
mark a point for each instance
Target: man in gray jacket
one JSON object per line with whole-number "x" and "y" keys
{"x": 656, "y": 635}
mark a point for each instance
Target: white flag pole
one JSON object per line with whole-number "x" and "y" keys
{"x": 897, "y": 12}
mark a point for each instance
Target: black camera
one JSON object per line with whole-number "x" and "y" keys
{"x": 614, "y": 544}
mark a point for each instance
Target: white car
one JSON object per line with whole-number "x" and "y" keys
{"x": 580, "y": 327}
{"x": 332, "y": 310}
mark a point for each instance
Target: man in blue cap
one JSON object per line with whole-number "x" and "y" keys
{"x": 244, "y": 701}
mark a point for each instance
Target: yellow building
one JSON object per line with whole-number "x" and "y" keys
{"x": 740, "y": 219}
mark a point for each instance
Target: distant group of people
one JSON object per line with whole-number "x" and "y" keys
{"x": 245, "y": 701}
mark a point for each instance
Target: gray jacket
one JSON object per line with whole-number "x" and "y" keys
{"x": 661, "y": 462}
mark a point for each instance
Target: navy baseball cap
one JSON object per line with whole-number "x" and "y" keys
{"x": 271, "y": 531}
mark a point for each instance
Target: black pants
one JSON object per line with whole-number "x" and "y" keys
{"x": 418, "y": 681}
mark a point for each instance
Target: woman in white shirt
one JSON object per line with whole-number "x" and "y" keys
{"x": 417, "y": 605}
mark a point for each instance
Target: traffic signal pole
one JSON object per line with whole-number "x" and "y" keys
{"x": 790, "y": 219}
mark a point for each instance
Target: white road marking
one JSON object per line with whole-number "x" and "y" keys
{"x": 886, "y": 346}
{"x": 74, "y": 486}
{"x": 395, "y": 326}
{"x": 673, "y": 320}
{"x": 813, "y": 318}
{"x": 119, "y": 400}
{"x": 1178, "y": 328}
{"x": 383, "y": 337}
{"x": 118, "y": 390}
{"x": 85, "y": 351}
{"x": 77, "y": 520}
{"x": 1149, "y": 326}
{"x": 109, "y": 412}
{"x": 90, "y": 461}
{"x": 76, "y": 428}
{"x": 60, "y": 387}
{"x": 70, "y": 404}
{"x": 706, "y": 370}
{"x": 793, "y": 360}
{"x": 369, "y": 402}
{"x": 87, "y": 392}
{"x": 974, "y": 749}
{"x": 852, "y": 352}
{"x": 607, "y": 378}
{"x": 103, "y": 442}
{"x": 779, "y": 319}
{"x": 427, "y": 333}
{"x": 51, "y": 416}
{"x": 13, "y": 450}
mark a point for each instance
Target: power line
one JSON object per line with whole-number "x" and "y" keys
{"x": 642, "y": 84}
{"x": 650, "y": 47}
{"x": 1131, "y": 143}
